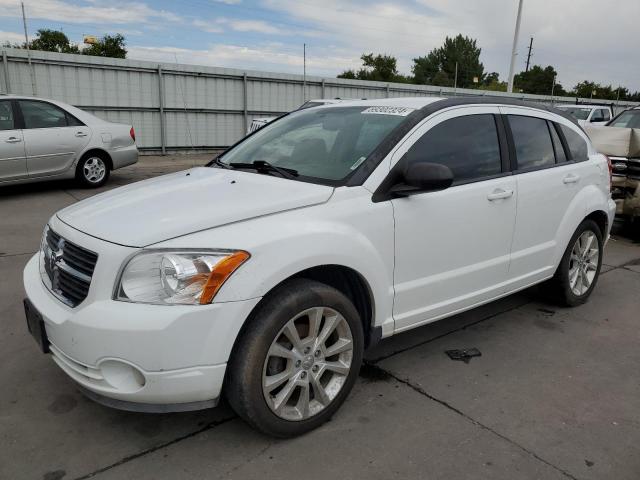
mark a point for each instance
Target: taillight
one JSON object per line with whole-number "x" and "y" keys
{"x": 610, "y": 165}
{"x": 132, "y": 132}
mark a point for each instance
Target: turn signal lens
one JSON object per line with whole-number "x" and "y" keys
{"x": 220, "y": 273}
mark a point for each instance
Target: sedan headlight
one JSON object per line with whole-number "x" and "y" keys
{"x": 177, "y": 277}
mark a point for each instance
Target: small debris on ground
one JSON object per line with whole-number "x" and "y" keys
{"x": 465, "y": 355}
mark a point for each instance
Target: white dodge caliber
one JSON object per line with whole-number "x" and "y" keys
{"x": 265, "y": 275}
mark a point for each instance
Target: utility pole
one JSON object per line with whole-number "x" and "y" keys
{"x": 455, "y": 79}
{"x": 304, "y": 72}
{"x": 515, "y": 48}
{"x": 529, "y": 54}
{"x": 553, "y": 87}
{"x": 26, "y": 42}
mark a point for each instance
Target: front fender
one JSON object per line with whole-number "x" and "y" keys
{"x": 349, "y": 231}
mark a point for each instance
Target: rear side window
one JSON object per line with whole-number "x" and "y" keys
{"x": 45, "y": 115}
{"x": 598, "y": 115}
{"x": 467, "y": 145}
{"x": 6, "y": 116}
{"x": 532, "y": 142}
{"x": 606, "y": 115}
{"x": 561, "y": 156}
{"x": 577, "y": 145}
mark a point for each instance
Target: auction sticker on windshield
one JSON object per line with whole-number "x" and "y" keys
{"x": 401, "y": 111}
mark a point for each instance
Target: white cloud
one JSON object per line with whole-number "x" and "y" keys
{"x": 118, "y": 12}
{"x": 254, "y": 26}
{"x": 269, "y": 57}
{"x": 11, "y": 37}
{"x": 208, "y": 26}
{"x": 229, "y": 2}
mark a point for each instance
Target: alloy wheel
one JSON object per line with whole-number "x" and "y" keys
{"x": 307, "y": 363}
{"x": 583, "y": 263}
{"x": 94, "y": 169}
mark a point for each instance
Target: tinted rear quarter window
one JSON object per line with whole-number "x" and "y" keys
{"x": 532, "y": 142}
{"x": 577, "y": 145}
{"x": 468, "y": 145}
{"x": 561, "y": 155}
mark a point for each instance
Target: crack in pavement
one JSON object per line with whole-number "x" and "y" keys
{"x": 424, "y": 393}
{"x": 129, "y": 458}
{"x": 7, "y": 255}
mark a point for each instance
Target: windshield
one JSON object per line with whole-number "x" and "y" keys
{"x": 628, "y": 119}
{"x": 326, "y": 144}
{"x": 576, "y": 112}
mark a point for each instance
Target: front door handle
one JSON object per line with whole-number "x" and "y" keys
{"x": 571, "y": 178}
{"x": 499, "y": 194}
{"x": 13, "y": 140}
{"x": 81, "y": 134}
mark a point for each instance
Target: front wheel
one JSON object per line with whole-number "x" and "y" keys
{"x": 579, "y": 269}
{"x": 297, "y": 359}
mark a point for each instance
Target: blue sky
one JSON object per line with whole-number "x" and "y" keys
{"x": 268, "y": 34}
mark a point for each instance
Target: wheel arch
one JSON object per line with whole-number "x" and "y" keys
{"x": 97, "y": 151}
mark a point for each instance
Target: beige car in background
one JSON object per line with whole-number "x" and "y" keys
{"x": 48, "y": 140}
{"x": 620, "y": 141}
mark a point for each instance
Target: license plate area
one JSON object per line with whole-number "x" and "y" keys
{"x": 35, "y": 324}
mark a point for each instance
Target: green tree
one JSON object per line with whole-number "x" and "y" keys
{"x": 381, "y": 68}
{"x": 539, "y": 81}
{"x": 108, "y": 46}
{"x": 53, "y": 41}
{"x": 459, "y": 50}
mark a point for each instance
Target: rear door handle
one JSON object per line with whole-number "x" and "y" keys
{"x": 499, "y": 194}
{"x": 81, "y": 134}
{"x": 571, "y": 178}
{"x": 13, "y": 140}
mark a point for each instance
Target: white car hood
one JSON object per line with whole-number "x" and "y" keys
{"x": 173, "y": 205}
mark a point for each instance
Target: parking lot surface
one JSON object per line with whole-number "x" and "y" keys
{"x": 555, "y": 393}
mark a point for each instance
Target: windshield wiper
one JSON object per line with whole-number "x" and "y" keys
{"x": 219, "y": 163}
{"x": 263, "y": 166}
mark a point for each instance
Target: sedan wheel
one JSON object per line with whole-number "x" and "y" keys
{"x": 583, "y": 266}
{"x": 307, "y": 364}
{"x": 94, "y": 169}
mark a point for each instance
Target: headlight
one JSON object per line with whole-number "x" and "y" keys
{"x": 177, "y": 277}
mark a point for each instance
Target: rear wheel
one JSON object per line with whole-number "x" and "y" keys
{"x": 579, "y": 269}
{"x": 297, "y": 359}
{"x": 93, "y": 170}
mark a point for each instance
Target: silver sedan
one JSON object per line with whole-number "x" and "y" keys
{"x": 49, "y": 140}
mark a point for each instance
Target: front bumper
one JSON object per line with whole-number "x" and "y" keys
{"x": 141, "y": 357}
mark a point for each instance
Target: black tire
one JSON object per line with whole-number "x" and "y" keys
{"x": 84, "y": 173}
{"x": 559, "y": 287}
{"x": 243, "y": 385}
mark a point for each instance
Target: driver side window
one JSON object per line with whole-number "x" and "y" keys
{"x": 468, "y": 145}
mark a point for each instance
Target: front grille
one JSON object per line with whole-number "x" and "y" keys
{"x": 68, "y": 267}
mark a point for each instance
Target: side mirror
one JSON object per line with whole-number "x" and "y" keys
{"x": 422, "y": 177}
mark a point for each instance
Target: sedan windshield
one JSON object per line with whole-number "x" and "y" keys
{"x": 318, "y": 144}
{"x": 628, "y": 119}
{"x": 576, "y": 112}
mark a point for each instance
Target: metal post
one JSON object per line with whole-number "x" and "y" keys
{"x": 553, "y": 87}
{"x": 163, "y": 128}
{"x": 323, "y": 92}
{"x": 514, "y": 50}
{"x": 26, "y": 43}
{"x": 304, "y": 72}
{"x": 5, "y": 67}
{"x": 245, "y": 100}
{"x": 455, "y": 80}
